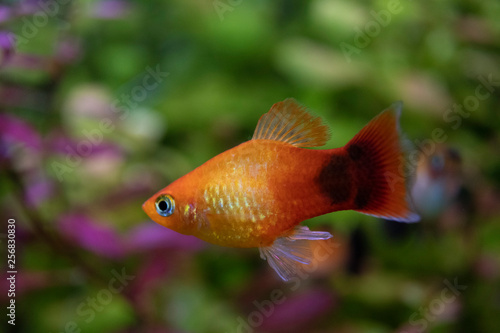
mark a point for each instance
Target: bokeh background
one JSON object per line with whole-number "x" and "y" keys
{"x": 104, "y": 102}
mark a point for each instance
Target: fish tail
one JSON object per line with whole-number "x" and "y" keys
{"x": 378, "y": 154}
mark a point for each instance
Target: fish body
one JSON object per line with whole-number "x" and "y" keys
{"x": 245, "y": 197}
{"x": 257, "y": 193}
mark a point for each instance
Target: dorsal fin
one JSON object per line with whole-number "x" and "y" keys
{"x": 290, "y": 122}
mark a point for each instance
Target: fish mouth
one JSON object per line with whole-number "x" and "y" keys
{"x": 147, "y": 209}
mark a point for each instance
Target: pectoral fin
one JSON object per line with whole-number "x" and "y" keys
{"x": 287, "y": 253}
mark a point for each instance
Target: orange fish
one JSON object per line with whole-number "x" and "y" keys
{"x": 257, "y": 193}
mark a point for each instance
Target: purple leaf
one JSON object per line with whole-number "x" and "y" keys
{"x": 94, "y": 237}
{"x": 13, "y": 129}
{"x": 38, "y": 191}
{"x": 30, "y": 61}
{"x": 151, "y": 236}
{"x": 67, "y": 146}
{"x": 298, "y": 312}
{"x": 7, "y": 44}
{"x": 5, "y": 14}
{"x": 68, "y": 50}
{"x": 152, "y": 272}
{"x": 110, "y": 9}
{"x": 28, "y": 7}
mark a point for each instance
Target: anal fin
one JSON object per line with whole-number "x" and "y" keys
{"x": 287, "y": 253}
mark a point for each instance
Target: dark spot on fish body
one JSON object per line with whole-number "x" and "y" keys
{"x": 362, "y": 197}
{"x": 364, "y": 176}
{"x": 363, "y": 165}
{"x": 355, "y": 152}
{"x": 368, "y": 177}
{"x": 335, "y": 179}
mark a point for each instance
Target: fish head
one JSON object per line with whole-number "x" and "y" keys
{"x": 164, "y": 207}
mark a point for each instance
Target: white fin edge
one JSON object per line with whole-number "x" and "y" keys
{"x": 287, "y": 253}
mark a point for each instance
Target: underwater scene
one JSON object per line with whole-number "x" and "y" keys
{"x": 318, "y": 166}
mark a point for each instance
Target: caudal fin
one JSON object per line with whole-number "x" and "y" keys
{"x": 379, "y": 158}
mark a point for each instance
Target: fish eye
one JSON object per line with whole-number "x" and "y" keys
{"x": 165, "y": 205}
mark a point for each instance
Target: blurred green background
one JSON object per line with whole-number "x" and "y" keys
{"x": 105, "y": 102}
